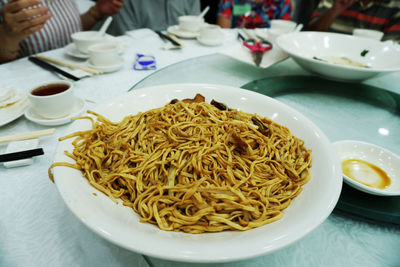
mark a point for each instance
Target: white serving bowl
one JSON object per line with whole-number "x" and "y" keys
{"x": 378, "y": 156}
{"x": 304, "y": 47}
{"x": 120, "y": 224}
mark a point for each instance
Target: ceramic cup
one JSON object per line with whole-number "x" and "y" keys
{"x": 84, "y": 39}
{"x": 211, "y": 32}
{"x": 279, "y": 27}
{"x": 370, "y": 34}
{"x": 190, "y": 23}
{"x": 104, "y": 54}
{"x": 52, "y": 99}
{"x": 283, "y": 25}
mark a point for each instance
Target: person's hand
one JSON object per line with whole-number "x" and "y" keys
{"x": 341, "y": 5}
{"x": 21, "y": 18}
{"x": 109, "y": 7}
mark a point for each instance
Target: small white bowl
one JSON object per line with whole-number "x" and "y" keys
{"x": 283, "y": 25}
{"x": 280, "y": 27}
{"x": 370, "y": 34}
{"x": 378, "y": 156}
{"x": 190, "y": 23}
{"x": 308, "y": 48}
{"x": 84, "y": 39}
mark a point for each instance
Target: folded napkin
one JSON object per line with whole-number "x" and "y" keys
{"x": 10, "y": 96}
{"x": 143, "y": 34}
{"x": 242, "y": 53}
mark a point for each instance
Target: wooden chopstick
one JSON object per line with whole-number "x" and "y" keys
{"x": 250, "y": 36}
{"x": 168, "y": 38}
{"x": 26, "y": 136}
{"x": 173, "y": 37}
{"x": 69, "y": 64}
{"x": 47, "y": 66}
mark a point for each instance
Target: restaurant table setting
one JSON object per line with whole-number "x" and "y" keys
{"x": 69, "y": 223}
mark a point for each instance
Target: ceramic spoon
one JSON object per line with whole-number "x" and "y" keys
{"x": 204, "y": 12}
{"x": 105, "y": 26}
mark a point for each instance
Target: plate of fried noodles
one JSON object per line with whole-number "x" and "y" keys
{"x": 197, "y": 172}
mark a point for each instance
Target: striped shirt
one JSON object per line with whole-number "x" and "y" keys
{"x": 261, "y": 12}
{"x": 383, "y": 15}
{"x": 57, "y": 30}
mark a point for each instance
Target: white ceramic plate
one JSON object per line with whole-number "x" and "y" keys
{"x": 73, "y": 51}
{"x": 214, "y": 42}
{"x": 182, "y": 34}
{"x": 121, "y": 225}
{"x": 380, "y": 157}
{"x": 304, "y": 46}
{"x": 13, "y": 112}
{"x": 77, "y": 109}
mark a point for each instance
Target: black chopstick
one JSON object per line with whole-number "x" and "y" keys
{"x": 51, "y": 67}
{"x": 240, "y": 36}
{"x": 21, "y": 155}
{"x": 164, "y": 36}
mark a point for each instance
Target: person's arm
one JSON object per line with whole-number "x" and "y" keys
{"x": 20, "y": 20}
{"x": 324, "y": 22}
{"x": 223, "y": 22}
{"x": 98, "y": 11}
{"x": 225, "y": 10}
{"x": 392, "y": 30}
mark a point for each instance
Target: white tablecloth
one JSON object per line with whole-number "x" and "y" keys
{"x": 36, "y": 227}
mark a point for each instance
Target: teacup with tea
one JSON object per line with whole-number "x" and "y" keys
{"x": 52, "y": 99}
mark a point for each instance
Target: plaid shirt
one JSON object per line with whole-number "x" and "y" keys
{"x": 260, "y": 15}
{"x": 381, "y": 15}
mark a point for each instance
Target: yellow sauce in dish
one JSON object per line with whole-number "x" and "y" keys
{"x": 366, "y": 173}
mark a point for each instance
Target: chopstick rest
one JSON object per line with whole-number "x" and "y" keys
{"x": 20, "y": 153}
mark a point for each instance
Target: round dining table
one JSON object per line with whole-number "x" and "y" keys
{"x": 38, "y": 229}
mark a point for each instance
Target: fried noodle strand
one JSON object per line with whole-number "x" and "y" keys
{"x": 192, "y": 167}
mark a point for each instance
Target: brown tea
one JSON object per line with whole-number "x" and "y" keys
{"x": 50, "y": 89}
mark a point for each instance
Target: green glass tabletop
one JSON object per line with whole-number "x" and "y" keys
{"x": 345, "y": 111}
{"x": 364, "y": 229}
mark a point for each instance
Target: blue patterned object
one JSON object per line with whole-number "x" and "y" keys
{"x": 144, "y": 62}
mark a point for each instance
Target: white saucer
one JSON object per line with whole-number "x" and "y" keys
{"x": 14, "y": 111}
{"x": 379, "y": 156}
{"x": 182, "y": 34}
{"x": 214, "y": 42}
{"x": 76, "y": 111}
{"x": 72, "y": 51}
{"x": 109, "y": 68}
